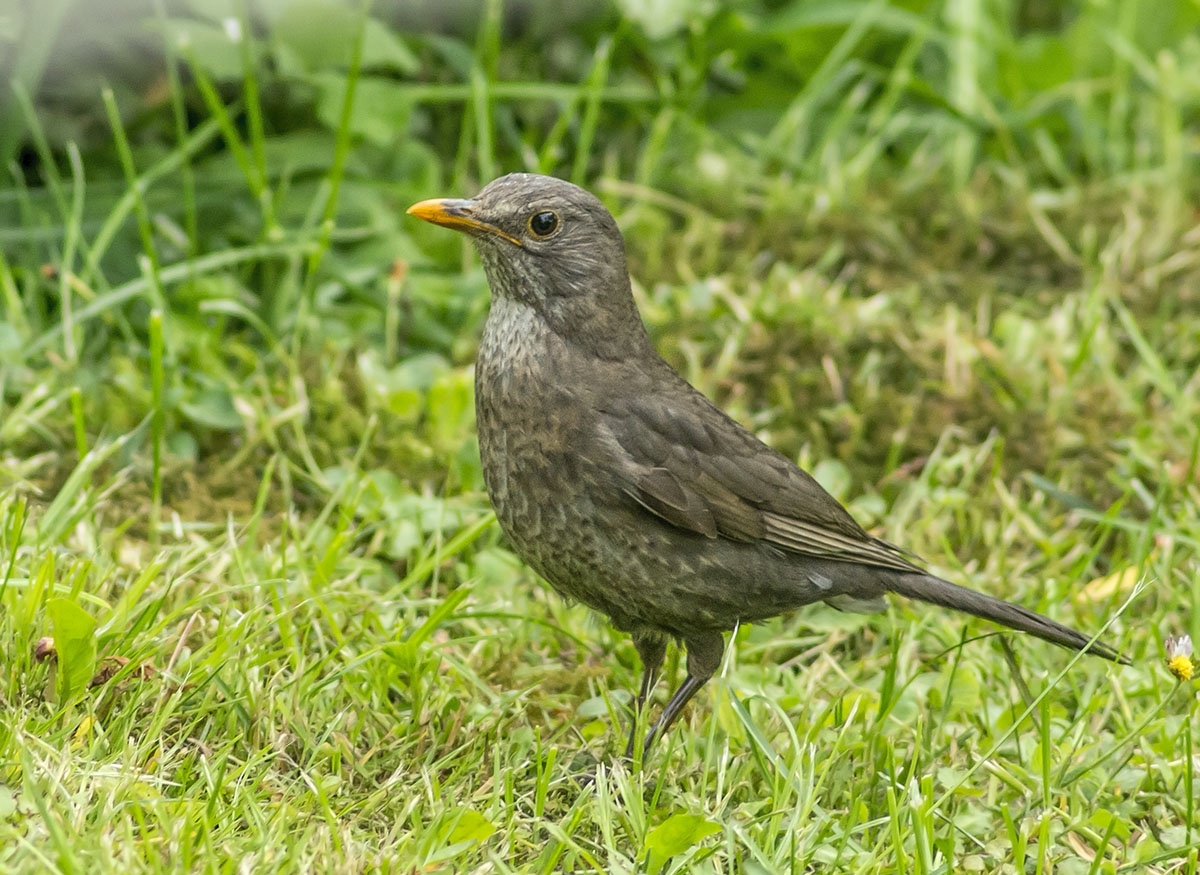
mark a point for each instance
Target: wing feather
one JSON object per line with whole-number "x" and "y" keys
{"x": 690, "y": 464}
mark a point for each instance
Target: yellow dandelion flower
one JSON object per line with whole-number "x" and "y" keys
{"x": 1179, "y": 656}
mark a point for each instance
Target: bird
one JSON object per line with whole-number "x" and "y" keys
{"x": 625, "y": 487}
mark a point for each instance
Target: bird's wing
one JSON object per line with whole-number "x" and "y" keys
{"x": 684, "y": 460}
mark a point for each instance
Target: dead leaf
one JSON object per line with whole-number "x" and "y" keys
{"x": 1102, "y": 589}
{"x": 110, "y": 666}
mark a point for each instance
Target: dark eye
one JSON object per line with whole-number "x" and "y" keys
{"x": 543, "y": 224}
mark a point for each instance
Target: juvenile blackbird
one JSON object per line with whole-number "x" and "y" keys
{"x": 626, "y": 488}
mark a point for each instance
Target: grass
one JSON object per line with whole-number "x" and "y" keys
{"x": 944, "y": 256}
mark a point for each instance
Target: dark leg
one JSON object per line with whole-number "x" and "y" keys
{"x": 651, "y": 647}
{"x": 704, "y": 651}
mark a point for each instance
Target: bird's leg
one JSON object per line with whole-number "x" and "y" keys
{"x": 704, "y": 651}
{"x": 651, "y": 647}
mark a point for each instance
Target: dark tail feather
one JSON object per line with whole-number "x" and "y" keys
{"x": 927, "y": 588}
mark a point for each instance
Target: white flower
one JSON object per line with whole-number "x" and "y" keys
{"x": 1179, "y": 656}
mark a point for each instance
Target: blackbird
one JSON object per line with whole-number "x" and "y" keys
{"x": 626, "y": 488}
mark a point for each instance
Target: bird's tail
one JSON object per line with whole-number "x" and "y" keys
{"x": 927, "y": 588}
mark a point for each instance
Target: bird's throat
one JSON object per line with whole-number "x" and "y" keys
{"x": 514, "y": 349}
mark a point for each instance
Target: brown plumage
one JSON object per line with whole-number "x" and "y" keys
{"x": 626, "y": 488}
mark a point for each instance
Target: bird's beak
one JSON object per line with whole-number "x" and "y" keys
{"x": 457, "y": 213}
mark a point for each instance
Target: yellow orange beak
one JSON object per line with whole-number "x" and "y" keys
{"x": 457, "y": 213}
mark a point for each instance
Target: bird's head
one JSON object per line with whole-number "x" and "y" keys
{"x": 552, "y": 246}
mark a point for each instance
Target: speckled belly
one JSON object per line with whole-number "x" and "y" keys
{"x": 547, "y": 514}
{"x": 595, "y": 545}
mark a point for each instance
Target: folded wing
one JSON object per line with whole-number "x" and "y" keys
{"x": 685, "y": 461}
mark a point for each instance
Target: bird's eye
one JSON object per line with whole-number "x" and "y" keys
{"x": 543, "y": 224}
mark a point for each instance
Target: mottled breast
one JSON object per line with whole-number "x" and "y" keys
{"x": 531, "y": 427}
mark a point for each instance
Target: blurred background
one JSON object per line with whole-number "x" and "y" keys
{"x": 944, "y": 254}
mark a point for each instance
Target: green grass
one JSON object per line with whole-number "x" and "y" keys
{"x": 944, "y": 255}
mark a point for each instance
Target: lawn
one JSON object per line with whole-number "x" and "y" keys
{"x": 255, "y": 610}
